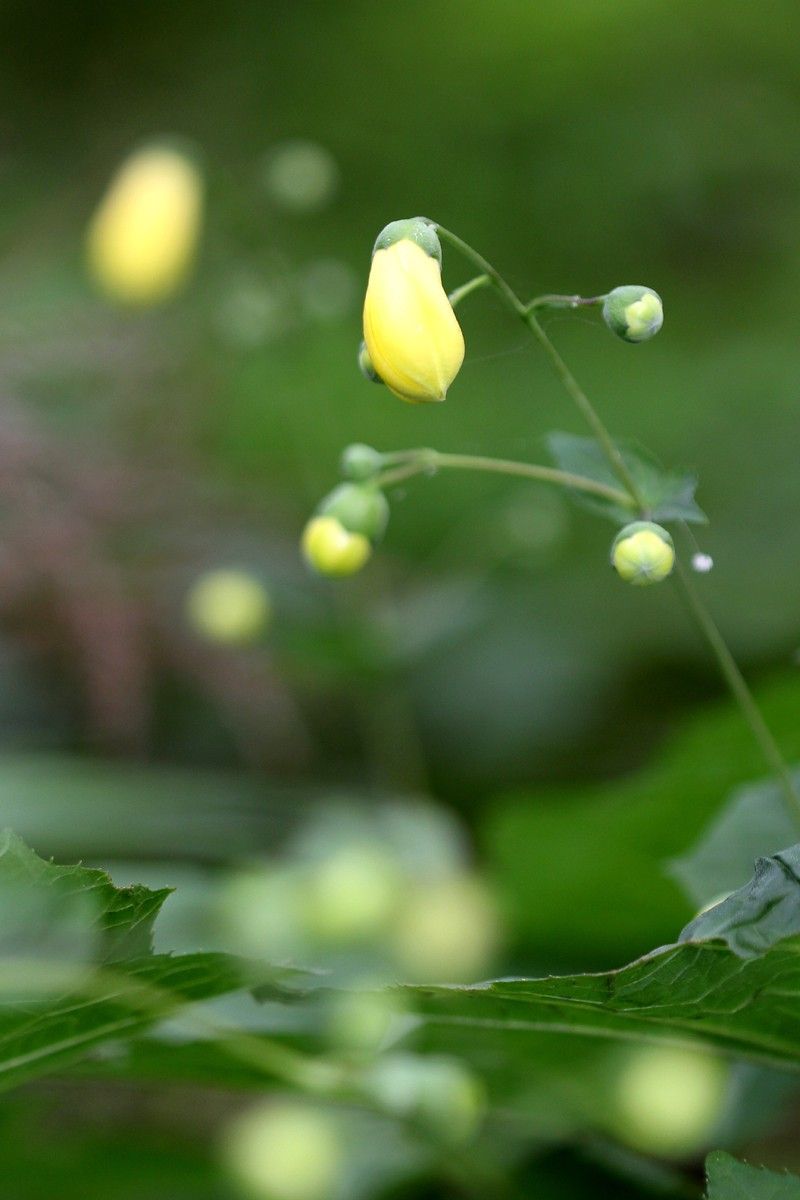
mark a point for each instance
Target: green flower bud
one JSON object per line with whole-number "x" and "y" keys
{"x": 667, "y": 1100}
{"x": 283, "y": 1151}
{"x": 439, "y": 1093}
{"x": 643, "y": 553}
{"x": 365, "y": 364}
{"x": 359, "y": 507}
{"x": 411, "y": 229}
{"x": 633, "y": 313}
{"x": 360, "y": 462}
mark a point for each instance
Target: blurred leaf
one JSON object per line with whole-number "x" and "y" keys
{"x": 123, "y": 916}
{"x": 758, "y": 915}
{"x": 729, "y": 1179}
{"x": 669, "y": 495}
{"x": 599, "y": 848}
{"x": 754, "y": 822}
{"x": 50, "y": 1015}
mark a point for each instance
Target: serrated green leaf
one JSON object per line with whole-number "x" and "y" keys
{"x": 754, "y": 822}
{"x": 669, "y": 495}
{"x": 729, "y": 1179}
{"x": 118, "y": 922}
{"x": 76, "y": 967}
{"x": 760, "y": 914}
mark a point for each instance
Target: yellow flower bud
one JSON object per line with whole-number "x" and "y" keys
{"x": 228, "y": 606}
{"x": 142, "y": 238}
{"x": 634, "y": 313}
{"x": 333, "y": 550}
{"x": 643, "y": 553}
{"x": 413, "y": 339}
{"x": 667, "y": 1100}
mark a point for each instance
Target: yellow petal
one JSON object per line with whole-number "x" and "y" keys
{"x": 411, "y": 332}
{"x": 333, "y": 550}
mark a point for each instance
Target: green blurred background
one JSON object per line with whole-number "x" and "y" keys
{"x": 487, "y": 657}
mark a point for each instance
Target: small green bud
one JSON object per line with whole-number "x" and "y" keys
{"x": 359, "y": 507}
{"x": 360, "y": 462}
{"x": 439, "y": 1093}
{"x": 283, "y": 1151}
{"x": 365, "y": 364}
{"x": 643, "y": 553}
{"x": 412, "y": 229}
{"x": 633, "y": 312}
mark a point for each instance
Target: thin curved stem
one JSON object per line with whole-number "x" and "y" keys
{"x": 466, "y": 289}
{"x": 737, "y": 684}
{"x": 725, "y": 660}
{"x": 425, "y": 461}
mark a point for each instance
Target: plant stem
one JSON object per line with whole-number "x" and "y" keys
{"x": 737, "y": 684}
{"x": 555, "y": 301}
{"x": 725, "y": 660}
{"x": 466, "y": 289}
{"x": 432, "y": 460}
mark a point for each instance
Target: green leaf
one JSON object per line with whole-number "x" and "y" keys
{"x": 729, "y": 1179}
{"x": 758, "y": 915}
{"x": 755, "y": 821}
{"x": 76, "y": 967}
{"x": 669, "y": 495}
{"x": 119, "y": 921}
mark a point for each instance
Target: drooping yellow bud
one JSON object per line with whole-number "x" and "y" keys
{"x": 142, "y": 239}
{"x": 413, "y": 338}
{"x": 333, "y": 550}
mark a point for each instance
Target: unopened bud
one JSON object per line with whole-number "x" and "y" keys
{"x": 332, "y": 550}
{"x": 360, "y": 462}
{"x": 643, "y": 553}
{"x": 633, "y": 313}
{"x": 359, "y": 507}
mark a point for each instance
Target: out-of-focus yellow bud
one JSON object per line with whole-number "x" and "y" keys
{"x": 633, "y": 312}
{"x": 413, "y": 339}
{"x": 333, "y": 550}
{"x": 359, "y": 1022}
{"x": 643, "y": 553}
{"x": 447, "y": 930}
{"x": 667, "y": 1100}
{"x": 228, "y": 606}
{"x": 142, "y": 239}
{"x": 283, "y": 1152}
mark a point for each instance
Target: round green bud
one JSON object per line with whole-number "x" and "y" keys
{"x": 283, "y": 1152}
{"x": 365, "y": 365}
{"x": 228, "y": 606}
{"x": 359, "y": 507}
{"x": 643, "y": 553}
{"x": 634, "y": 313}
{"x": 351, "y": 894}
{"x": 411, "y": 229}
{"x": 439, "y": 1093}
{"x": 360, "y": 462}
{"x": 667, "y": 1101}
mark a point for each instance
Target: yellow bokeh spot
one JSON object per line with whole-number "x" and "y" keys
{"x": 411, "y": 333}
{"x": 643, "y": 558}
{"x": 283, "y": 1152}
{"x": 142, "y": 239}
{"x": 333, "y": 550}
{"x": 228, "y": 606}
{"x": 447, "y": 930}
{"x": 668, "y": 1100}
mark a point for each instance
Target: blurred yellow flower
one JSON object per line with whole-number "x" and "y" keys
{"x": 643, "y": 553}
{"x": 414, "y": 341}
{"x": 228, "y": 606}
{"x": 333, "y": 550}
{"x": 142, "y": 239}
